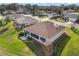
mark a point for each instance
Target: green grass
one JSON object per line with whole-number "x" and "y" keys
{"x": 69, "y": 44}
{"x": 43, "y": 17}
{"x": 72, "y": 47}
{"x": 11, "y": 45}
{"x": 59, "y": 20}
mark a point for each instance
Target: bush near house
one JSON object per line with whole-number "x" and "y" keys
{"x": 2, "y": 22}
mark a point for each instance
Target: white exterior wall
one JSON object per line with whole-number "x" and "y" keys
{"x": 51, "y": 40}
{"x": 36, "y": 39}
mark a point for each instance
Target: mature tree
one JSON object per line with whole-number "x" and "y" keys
{"x": 2, "y": 8}
{"x": 28, "y": 6}
{"x": 13, "y": 6}
{"x": 72, "y": 7}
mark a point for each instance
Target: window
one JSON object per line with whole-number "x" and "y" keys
{"x": 35, "y": 36}
{"x": 21, "y": 34}
{"x": 26, "y": 32}
{"x": 42, "y": 39}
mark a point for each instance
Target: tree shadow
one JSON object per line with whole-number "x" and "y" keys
{"x": 59, "y": 44}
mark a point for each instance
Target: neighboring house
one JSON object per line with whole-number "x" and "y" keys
{"x": 75, "y": 25}
{"x": 28, "y": 12}
{"x": 53, "y": 15}
{"x": 77, "y": 21}
{"x": 12, "y": 17}
{"x": 24, "y": 21}
{"x": 72, "y": 16}
{"x": 8, "y": 12}
{"x": 40, "y": 13}
{"x": 45, "y": 33}
{"x": 22, "y": 11}
{"x": 68, "y": 11}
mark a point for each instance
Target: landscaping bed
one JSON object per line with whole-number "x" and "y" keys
{"x": 3, "y": 29}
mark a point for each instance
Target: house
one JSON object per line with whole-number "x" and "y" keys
{"x": 23, "y": 11}
{"x": 45, "y": 33}
{"x": 20, "y": 11}
{"x": 53, "y": 15}
{"x": 75, "y": 25}
{"x": 72, "y": 17}
{"x": 40, "y": 13}
{"x": 77, "y": 21}
{"x": 13, "y": 16}
{"x": 8, "y": 12}
{"x": 23, "y": 21}
{"x": 28, "y": 12}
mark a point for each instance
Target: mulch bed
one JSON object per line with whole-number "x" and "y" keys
{"x": 3, "y": 30}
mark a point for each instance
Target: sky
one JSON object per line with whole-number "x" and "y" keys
{"x": 43, "y": 2}
{"x": 39, "y": 1}
{"x": 47, "y": 4}
{"x": 56, "y": 4}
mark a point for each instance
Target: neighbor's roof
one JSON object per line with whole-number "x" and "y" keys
{"x": 46, "y": 29}
{"x": 77, "y": 21}
{"x": 13, "y": 16}
{"x": 25, "y": 20}
{"x": 71, "y": 15}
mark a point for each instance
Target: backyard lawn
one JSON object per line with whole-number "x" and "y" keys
{"x": 72, "y": 47}
{"x": 11, "y": 45}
